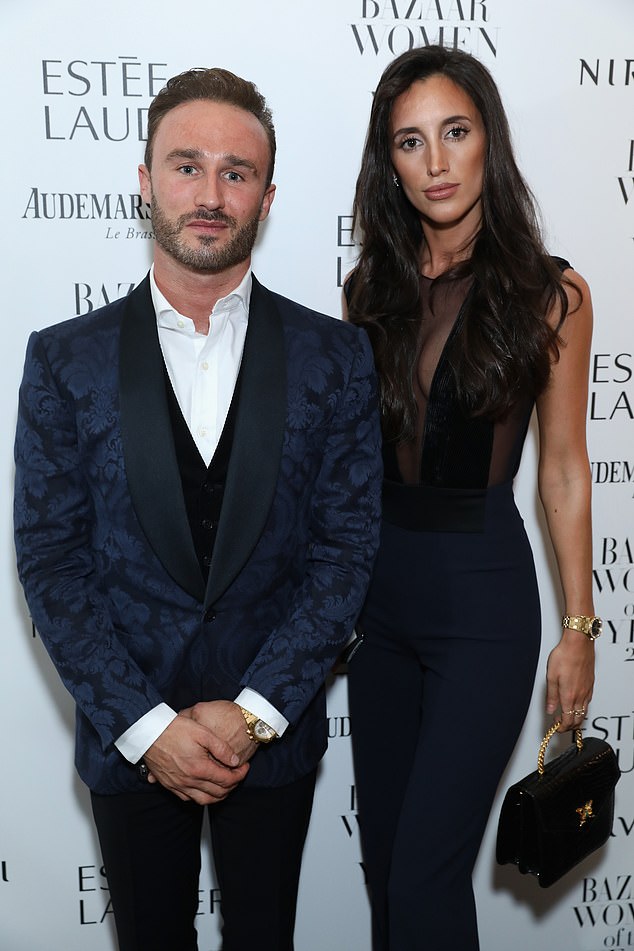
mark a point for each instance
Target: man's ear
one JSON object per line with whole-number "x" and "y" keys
{"x": 267, "y": 201}
{"x": 145, "y": 183}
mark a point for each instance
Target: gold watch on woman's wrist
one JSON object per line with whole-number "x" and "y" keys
{"x": 590, "y": 626}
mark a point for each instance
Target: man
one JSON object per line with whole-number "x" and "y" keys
{"x": 197, "y": 495}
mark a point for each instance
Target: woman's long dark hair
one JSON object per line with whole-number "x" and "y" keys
{"x": 506, "y": 346}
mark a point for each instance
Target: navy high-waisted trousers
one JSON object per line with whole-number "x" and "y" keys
{"x": 439, "y": 690}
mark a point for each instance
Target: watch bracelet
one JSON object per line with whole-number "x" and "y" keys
{"x": 590, "y": 625}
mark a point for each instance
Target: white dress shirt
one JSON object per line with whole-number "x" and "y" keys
{"x": 203, "y": 369}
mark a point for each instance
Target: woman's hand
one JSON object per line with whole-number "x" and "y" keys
{"x": 570, "y": 679}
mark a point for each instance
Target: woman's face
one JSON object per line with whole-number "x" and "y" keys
{"x": 438, "y": 147}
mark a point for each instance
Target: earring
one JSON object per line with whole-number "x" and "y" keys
{"x": 395, "y": 180}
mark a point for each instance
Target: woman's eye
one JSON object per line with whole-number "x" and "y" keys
{"x": 457, "y": 132}
{"x": 409, "y": 144}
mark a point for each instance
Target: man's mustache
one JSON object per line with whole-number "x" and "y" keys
{"x": 205, "y": 215}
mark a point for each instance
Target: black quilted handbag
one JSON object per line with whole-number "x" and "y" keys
{"x": 556, "y": 816}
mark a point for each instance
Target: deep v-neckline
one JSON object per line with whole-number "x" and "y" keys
{"x": 439, "y": 379}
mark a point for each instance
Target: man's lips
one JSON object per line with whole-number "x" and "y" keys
{"x": 438, "y": 192}
{"x": 205, "y": 225}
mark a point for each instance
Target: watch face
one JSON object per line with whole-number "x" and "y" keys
{"x": 596, "y": 627}
{"x": 263, "y": 731}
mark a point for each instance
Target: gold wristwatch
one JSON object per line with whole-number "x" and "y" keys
{"x": 590, "y": 626}
{"x": 257, "y": 729}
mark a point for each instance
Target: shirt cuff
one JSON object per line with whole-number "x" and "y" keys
{"x": 139, "y": 737}
{"x": 255, "y": 703}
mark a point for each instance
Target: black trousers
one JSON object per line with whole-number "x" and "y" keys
{"x": 150, "y": 843}
{"x": 438, "y": 694}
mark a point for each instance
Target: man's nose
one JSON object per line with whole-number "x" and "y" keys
{"x": 209, "y": 193}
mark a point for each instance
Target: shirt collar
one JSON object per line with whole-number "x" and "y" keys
{"x": 237, "y": 301}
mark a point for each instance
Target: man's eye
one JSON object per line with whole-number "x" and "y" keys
{"x": 234, "y": 177}
{"x": 187, "y": 169}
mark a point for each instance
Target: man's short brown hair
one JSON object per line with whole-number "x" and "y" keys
{"x": 217, "y": 85}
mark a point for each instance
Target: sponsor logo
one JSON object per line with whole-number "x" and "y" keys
{"x": 610, "y": 395}
{"x": 607, "y": 903}
{"x": 90, "y": 296}
{"x": 612, "y": 471}
{"x": 391, "y": 27}
{"x": 626, "y": 182}
{"x": 98, "y": 100}
{"x": 623, "y": 826}
{"x": 620, "y": 632}
{"x": 209, "y": 901}
{"x": 338, "y": 727}
{"x": 616, "y": 571}
{"x": 606, "y": 72}
{"x": 614, "y": 577}
{"x": 85, "y": 206}
{"x": 95, "y": 903}
{"x": 346, "y": 254}
{"x": 350, "y": 823}
{"x": 618, "y": 730}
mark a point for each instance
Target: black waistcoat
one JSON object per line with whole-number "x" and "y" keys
{"x": 203, "y": 486}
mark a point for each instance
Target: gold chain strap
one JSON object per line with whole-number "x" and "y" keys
{"x": 542, "y": 749}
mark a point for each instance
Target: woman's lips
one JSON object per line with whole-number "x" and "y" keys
{"x": 438, "y": 192}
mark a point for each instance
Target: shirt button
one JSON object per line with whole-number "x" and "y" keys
{"x": 207, "y": 524}
{"x": 209, "y": 616}
{"x": 180, "y": 324}
{"x": 204, "y": 365}
{"x": 202, "y": 432}
{"x": 209, "y": 488}
{"x": 206, "y": 560}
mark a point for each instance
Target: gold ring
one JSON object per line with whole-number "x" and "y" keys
{"x": 577, "y": 713}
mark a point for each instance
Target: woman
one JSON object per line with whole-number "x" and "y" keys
{"x": 472, "y": 323}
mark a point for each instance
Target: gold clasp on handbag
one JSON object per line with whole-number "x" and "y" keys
{"x": 585, "y": 812}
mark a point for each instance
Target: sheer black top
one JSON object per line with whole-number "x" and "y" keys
{"x": 451, "y": 449}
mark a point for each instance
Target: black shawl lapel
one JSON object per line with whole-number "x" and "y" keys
{"x": 148, "y": 445}
{"x": 257, "y": 443}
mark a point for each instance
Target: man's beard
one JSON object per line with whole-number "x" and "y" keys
{"x": 204, "y": 256}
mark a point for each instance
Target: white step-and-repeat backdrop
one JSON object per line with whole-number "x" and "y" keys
{"x": 77, "y": 80}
